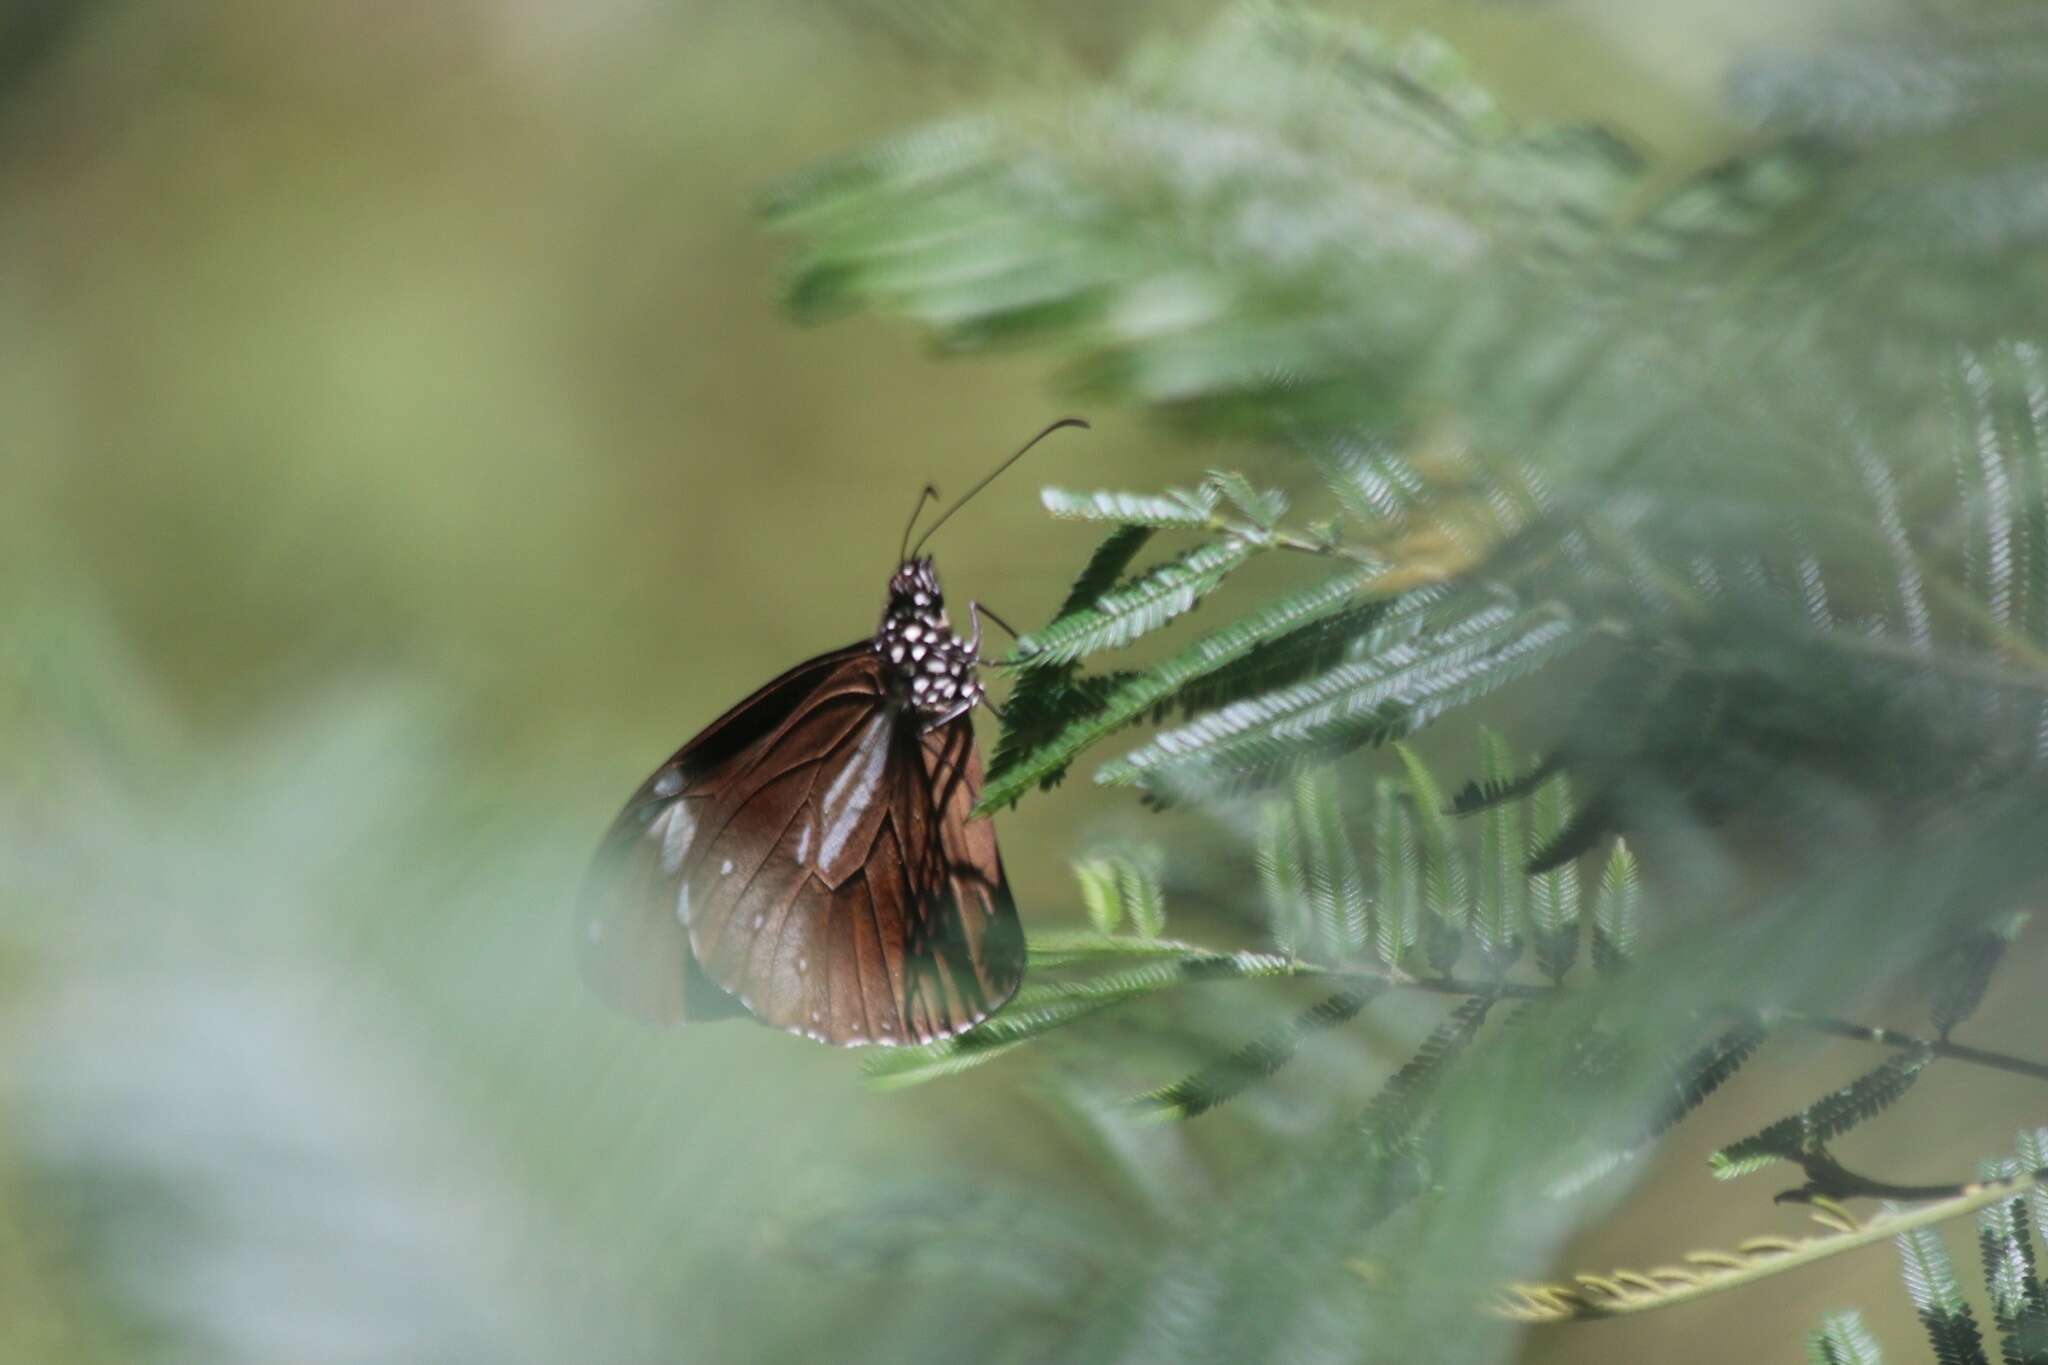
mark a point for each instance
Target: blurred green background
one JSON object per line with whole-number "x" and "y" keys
{"x": 402, "y": 453}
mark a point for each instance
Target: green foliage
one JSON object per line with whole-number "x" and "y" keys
{"x": 1706, "y": 1070}
{"x": 1749, "y": 463}
{"x": 1931, "y": 1283}
{"x": 1046, "y": 700}
{"x": 1498, "y": 916}
{"x": 1812, "y": 1128}
{"x": 1397, "y": 873}
{"x": 1137, "y": 608}
{"x": 1336, "y": 891}
{"x": 1172, "y": 508}
{"x": 1553, "y": 893}
{"x": 1962, "y": 973}
{"x": 1130, "y": 697}
{"x": 1254, "y": 1061}
{"x": 2005, "y": 1241}
{"x": 1616, "y": 911}
{"x": 1842, "y": 1339}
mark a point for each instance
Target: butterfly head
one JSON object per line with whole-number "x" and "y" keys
{"x": 930, "y": 667}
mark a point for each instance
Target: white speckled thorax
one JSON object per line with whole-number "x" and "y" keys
{"x": 929, "y": 667}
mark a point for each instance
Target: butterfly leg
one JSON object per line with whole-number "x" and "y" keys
{"x": 977, "y": 611}
{"x": 957, "y": 710}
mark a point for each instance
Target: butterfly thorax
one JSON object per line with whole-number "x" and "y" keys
{"x": 929, "y": 668}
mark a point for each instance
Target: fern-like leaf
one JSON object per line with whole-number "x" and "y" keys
{"x": 1397, "y": 874}
{"x": 2005, "y": 1240}
{"x": 1498, "y": 908}
{"x": 1616, "y": 912}
{"x": 1962, "y": 973}
{"x": 1046, "y": 701}
{"x": 1826, "y": 1118}
{"x": 1930, "y": 1277}
{"x": 1137, "y": 608}
{"x": 1553, "y": 893}
{"x": 1384, "y": 697}
{"x": 1336, "y": 889}
{"x": 1139, "y": 693}
{"x": 1175, "y": 507}
{"x": 1446, "y": 880}
{"x": 1397, "y": 1110}
{"x": 1706, "y": 1070}
{"x": 1255, "y": 1061}
{"x": 1842, "y": 1339}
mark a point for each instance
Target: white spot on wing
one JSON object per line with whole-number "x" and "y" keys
{"x": 668, "y": 783}
{"x": 674, "y": 828}
{"x": 725, "y": 868}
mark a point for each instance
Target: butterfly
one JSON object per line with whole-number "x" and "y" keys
{"x": 811, "y": 858}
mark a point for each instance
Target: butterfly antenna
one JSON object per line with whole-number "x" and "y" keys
{"x": 990, "y": 477}
{"x": 903, "y": 551}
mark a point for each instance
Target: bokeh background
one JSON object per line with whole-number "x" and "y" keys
{"x": 401, "y": 451}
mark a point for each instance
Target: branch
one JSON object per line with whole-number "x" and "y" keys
{"x": 1961, "y": 1052}
{"x": 1069, "y": 946}
{"x": 1591, "y": 1296}
{"x": 1829, "y": 1179}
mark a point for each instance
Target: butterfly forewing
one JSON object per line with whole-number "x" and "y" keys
{"x": 810, "y": 854}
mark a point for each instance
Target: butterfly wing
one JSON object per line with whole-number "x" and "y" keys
{"x": 632, "y": 946}
{"x": 810, "y": 854}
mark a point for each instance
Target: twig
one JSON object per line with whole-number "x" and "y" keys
{"x": 1961, "y": 1052}
{"x": 1590, "y": 1296}
{"x": 1827, "y": 1178}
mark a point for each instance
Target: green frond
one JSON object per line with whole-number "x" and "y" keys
{"x": 2005, "y": 1240}
{"x": 1498, "y": 910}
{"x": 1045, "y": 704}
{"x": 1336, "y": 889}
{"x": 1085, "y": 947}
{"x": 1399, "y": 1106}
{"x": 1381, "y": 697}
{"x": 1100, "y": 895}
{"x": 1962, "y": 973}
{"x": 1397, "y": 874}
{"x": 1137, "y": 608}
{"x": 1105, "y": 566}
{"x": 1255, "y": 1061}
{"x": 1134, "y": 695}
{"x": 1138, "y": 874}
{"x": 2032, "y": 1151}
{"x": 1283, "y": 878}
{"x": 1616, "y": 912}
{"x": 1826, "y": 1118}
{"x": 1842, "y": 1339}
{"x": 1446, "y": 880}
{"x": 1553, "y": 894}
{"x": 1053, "y": 1000}
{"x": 1123, "y": 884}
{"x": 1944, "y": 1313}
{"x": 1482, "y": 793}
{"x": 1175, "y": 507}
{"x": 1706, "y": 1070}
{"x": 1046, "y": 701}
{"x": 1262, "y": 509}
{"x": 1289, "y": 657}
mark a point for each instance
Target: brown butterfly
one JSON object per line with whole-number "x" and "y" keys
{"x": 810, "y": 857}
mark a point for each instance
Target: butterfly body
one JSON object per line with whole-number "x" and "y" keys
{"x": 809, "y": 858}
